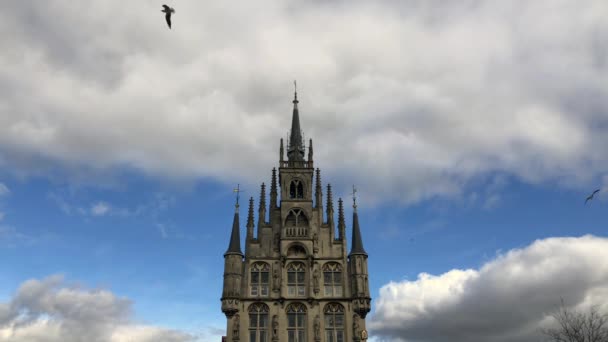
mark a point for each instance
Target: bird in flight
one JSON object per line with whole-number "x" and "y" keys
{"x": 168, "y": 11}
{"x": 591, "y": 196}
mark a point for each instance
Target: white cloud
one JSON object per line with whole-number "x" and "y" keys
{"x": 505, "y": 300}
{"x": 49, "y": 310}
{"x": 4, "y": 190}
{"x": 100, "y": 209}
{"x": 423, "y": 95}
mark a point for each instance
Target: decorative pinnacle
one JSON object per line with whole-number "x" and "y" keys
{"x": 341, "y": 214}
{"x": 250, "y": 214}
{"x": 330, "y": 204}
{"x": 310, "y": 151}
{"x": 263, "y": 197}
{"x": 273, "y": 184}
{"x": 318, "y": 179}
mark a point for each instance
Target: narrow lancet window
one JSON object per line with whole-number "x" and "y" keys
{"x": 258, "y": 322}
{"x": 296, "y": 189}
{"x": 332, "y": 278}
{"x": 296, "y": 275}
{"x": 334, "y": 322}
{"x": 296, "y": 322}
{"x": 259, "y": 279}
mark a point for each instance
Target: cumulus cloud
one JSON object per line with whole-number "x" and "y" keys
{"x": 4, "y": 190}
{"x": 422, "y": 95}
{"x": 508, "y": 299}
{"x": 49, "y": 310}
{"x": 100, "y": 209}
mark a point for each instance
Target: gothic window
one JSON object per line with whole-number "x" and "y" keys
{"x": 259, "y": 279}
{"x": 296, "y": 322}
{"x": 258, "y": 322}
{"x": 296, "y": 274}
{"x": 296, "y": 189}
{"x": 332, "y": 279}
{"x": 296, "y": 223}
{"x": 334, "y": 322}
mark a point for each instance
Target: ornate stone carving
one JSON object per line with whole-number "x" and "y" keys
{"x": 356, "y": 331}
{"x": 315, "y": 280}
{"x": 276, "y": 278}
{"x": 235, "y": 328}
{"x": 317, "y": 328}
{"x": 275, "y": 328}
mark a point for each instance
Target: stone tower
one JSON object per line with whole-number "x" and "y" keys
{"x": 296, "y": 281}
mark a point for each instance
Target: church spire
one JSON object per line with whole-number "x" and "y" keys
{"x": 235, "y": 236}
{"x": 295, "y": 150}
{"x": 357, "y": 245}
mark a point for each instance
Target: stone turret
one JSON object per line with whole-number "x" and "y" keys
{"x": 233, "y": 269}
{"x": 358, "y": 270}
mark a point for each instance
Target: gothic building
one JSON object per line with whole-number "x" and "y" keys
{"x": 296, "y": 281}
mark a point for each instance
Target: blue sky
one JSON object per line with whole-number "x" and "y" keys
{"x": 473, "y": 131}
{"x": 161, "y": 244}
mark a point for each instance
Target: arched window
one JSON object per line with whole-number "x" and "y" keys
{"x": 296, "y": 218}
{"x": 334, "y": 322}
{"x": 296, "y": 223}
{"x": 296, "y": 275}
{"x": 332, "y": 279}
{"x": 259, "y": 279}
{"x": 296, "y": 189}
{"x": 258, "y": 322}
{"x": 296, "y": 322}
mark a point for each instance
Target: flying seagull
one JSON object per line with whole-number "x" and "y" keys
{"x": 168, "y": 11}
{"x": 591, "y": 196}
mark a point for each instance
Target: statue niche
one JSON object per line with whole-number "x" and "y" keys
{"x": 296, "y": 224}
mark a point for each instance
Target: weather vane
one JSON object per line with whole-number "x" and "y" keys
{"x": 238, "y": 191}
{"x": 295, "y": 86}
{"x": 354, "y": 193}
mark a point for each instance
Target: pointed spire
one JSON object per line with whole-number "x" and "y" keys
{"x": 235, "y": 236}
{"x": 354, "y": 193}
{"x": 318, "y": 190}
{"x": 281, "y": 153}
{"x": 295, "y": 151}
{"x": 262, "y": 209}
{"x": 273, "y": 190}
{"x": 341, "y": 222}
{"x": 310, "y": 151}
{"x": 330, "y": 207}
{"x": 357, "y": 244}
{"x": 250, "y": 213}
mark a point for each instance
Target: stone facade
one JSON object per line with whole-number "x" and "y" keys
{"x": 296, "y": 281}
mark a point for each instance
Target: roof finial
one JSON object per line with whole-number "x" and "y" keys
{"x": 354, "y": 193}
{"x": 295, "y": 93}
{"x": 238, "y": 191}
